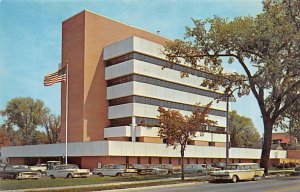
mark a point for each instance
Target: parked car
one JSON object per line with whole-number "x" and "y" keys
{"x": 297, "y": 171}
{"x": 157, "y": 170}
{"x": 194, "y": 168}
{"x": 68, "y": 171}
{"x": 211, "y": 168}
{"x": 171, "y": 169}
{"x": 239, "y": 171}
{"x": 219, "y": 165}
{"x": 142, "y": 169}
{"x": 19, "y": 172}
{"x": 2, "y": 165}
{"x": 39, "y": 167}
{"x": 115, "y": 170}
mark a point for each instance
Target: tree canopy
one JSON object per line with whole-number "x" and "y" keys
{"x": 24, "y": 118}
{"x": 242, "y": 131}
{"x": 177, "y": 129}
{"x": 265, "y": 46}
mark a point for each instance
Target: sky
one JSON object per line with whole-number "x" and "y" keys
{"x": 30, "y": 38}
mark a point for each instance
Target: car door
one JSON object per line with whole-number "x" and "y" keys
{"x": 257, "y": 170}
{"x": 104, "y": 170}
{"x": 57, "y": 172}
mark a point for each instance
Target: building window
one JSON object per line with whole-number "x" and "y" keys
{"x": 162, "y": 103}
{"x": 162, "y": 83}
{"x": 188, "y": 160}
{"x": 160, "y": 160}
{"x": 120, "y": 121}
{"x": 149, "y": 160}
{"x": 127, "y": 160}
{"x": 138, "y": 160}
{"x": 159, "y": 62}
{"x": 170, "y": 160}
{"x": 197, "y": 161}
{"x": 151, "y": 122}
{"x": 211, "y": 143}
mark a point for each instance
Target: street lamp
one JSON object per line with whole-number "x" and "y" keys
{"x": 228, "y": 97}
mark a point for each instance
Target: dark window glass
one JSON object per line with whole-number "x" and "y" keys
{"x": 161, "y": 83}
{"x": 162, "y": 103}
{"x": 156, "y": 61}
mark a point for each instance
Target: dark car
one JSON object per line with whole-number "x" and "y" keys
{"x": 19, "y": 172}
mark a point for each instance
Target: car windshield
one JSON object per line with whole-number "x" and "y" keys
{"x": 16, "y": 167}
{"x": 138, "y": 166}
{"x": 121, "y": 166}
{"x": 72, "y": 167}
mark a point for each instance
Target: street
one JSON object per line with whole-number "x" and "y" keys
{"x": 279, "y": 184}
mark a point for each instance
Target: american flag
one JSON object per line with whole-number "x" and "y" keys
{"x": 58, "y": 76}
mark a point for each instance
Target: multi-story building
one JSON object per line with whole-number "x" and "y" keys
{"x": 137, "y": 85}
{"x": 118, "y": 77}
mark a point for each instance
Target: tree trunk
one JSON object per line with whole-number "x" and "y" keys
{"x": 265, "y": 154}
{"x": 182, "y": 163}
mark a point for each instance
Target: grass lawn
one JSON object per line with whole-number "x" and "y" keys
{"x": 45, "y": 182}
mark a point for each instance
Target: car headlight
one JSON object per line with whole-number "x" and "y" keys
{"x": 20, "y": 174}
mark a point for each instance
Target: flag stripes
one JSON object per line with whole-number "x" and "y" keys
{"x": 58, "y": 76}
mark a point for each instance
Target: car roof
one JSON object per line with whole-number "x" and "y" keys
{"x": 244, "y": 164}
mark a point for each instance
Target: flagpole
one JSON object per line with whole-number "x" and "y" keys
{"x": 67, "y": 97}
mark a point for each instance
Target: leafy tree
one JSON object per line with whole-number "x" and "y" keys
{"x": 25, "y": 114}
{"x": 242, "y": 131}
{"x": 265, "y": 46}
{"x": 177, "y": 129}
{"x": 52, "y": 125}
{"x": 291, "y": 121}
{"x": 4, "y": 137}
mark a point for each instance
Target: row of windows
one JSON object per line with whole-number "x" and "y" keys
{"x": 162, "y": 83}
{"x": 162, "y": 103}
{"x": 159, "y": 62}
{"x": 173, "y": 160}
{"x": 151, "y": 122}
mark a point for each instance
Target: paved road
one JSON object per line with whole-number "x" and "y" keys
{"x": 279, "y": 184}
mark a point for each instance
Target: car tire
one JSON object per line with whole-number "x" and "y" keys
{"x": 119, "y": 174}
{"x": 100, "y": 174}
{"x": 52, "y": 177}
{"x": 254, "y": 178}
{"x": 200, "y": 172}
{"x": 235, "y": 178}
{"x": 70, "y": 176}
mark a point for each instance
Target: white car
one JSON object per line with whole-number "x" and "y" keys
{"x": 39, "y": 167}
{"x": 115, "y": 170}
{"x": 67, "y": 171}
{"x": 239, "y": 171}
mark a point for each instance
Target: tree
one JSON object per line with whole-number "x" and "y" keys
{"x": 52, "y": 125}
{"x": 242, "y": 131}
{"x": 265, "y": 46}
{"x": 4, "y": 137}
{"x": 177, "y": 129}
{"x": 25, "y": 114}
{"x": 291, "y": 121}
